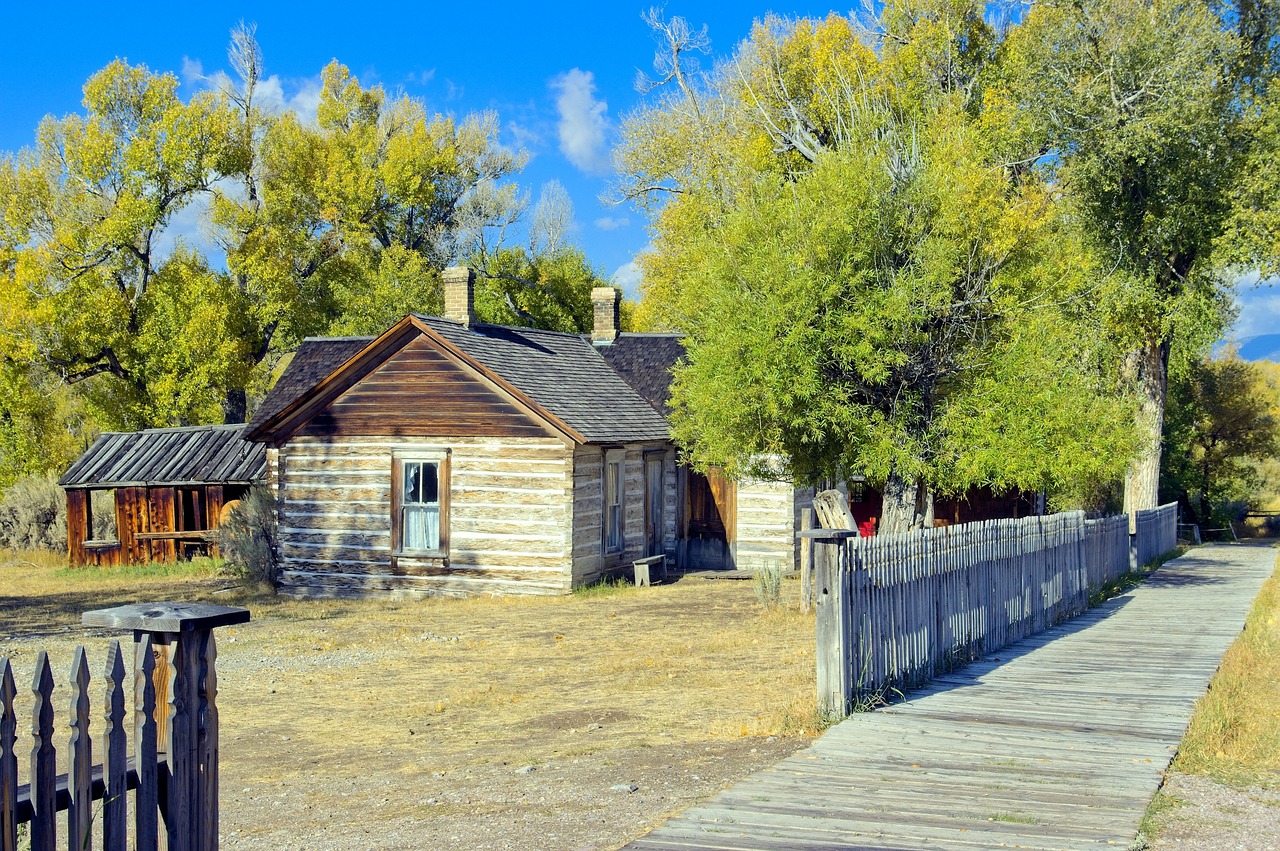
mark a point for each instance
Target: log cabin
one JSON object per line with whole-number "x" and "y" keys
{"x": 165, "y": 492}
{"x": 450, "y": 457}
{"x": 721, "y": 523}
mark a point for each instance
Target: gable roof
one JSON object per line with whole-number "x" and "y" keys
{"x": 196, "y": 455}
{"x": 645, "y": 361}
{"x": 559, "y": 377}
{"x": 315, "y": 360}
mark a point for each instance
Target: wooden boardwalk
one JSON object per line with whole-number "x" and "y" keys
{"x": 1057, "y": 742}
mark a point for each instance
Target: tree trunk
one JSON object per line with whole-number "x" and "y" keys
{"x": 899, "y": 510}
{"x": 235, "y": 406}
{"x": 1150, "y": 366}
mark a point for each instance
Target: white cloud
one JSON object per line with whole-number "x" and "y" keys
{"x": 524, "y": 136}
{"x": 1259, "y": 308}
{"x": 612, "y": 222}
{"x": 192, "y": 71}
{"x": 584, "y": 121}
{"x": 628, "y": 276}
{"x": 421, "y": 78}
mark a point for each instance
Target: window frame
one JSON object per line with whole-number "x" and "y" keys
{"x": 610, "y": 457}
{"x": 398, "y": 462}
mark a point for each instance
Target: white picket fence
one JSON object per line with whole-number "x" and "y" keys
{"x": 894, "y": 611}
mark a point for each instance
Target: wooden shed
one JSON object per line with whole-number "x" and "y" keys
{"x": 166, "y": 489}
{"x": 450, "y": 457}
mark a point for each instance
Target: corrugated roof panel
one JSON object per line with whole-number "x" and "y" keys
{"x": 169, "y": 456}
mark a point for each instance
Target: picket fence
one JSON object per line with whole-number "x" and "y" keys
{"x": 894, "y": 611}
{"x": 173, "y": 768}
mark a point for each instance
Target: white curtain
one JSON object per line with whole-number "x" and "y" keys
{"x": 421, "y": 528}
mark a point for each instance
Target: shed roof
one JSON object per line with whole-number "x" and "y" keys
{"x": 560, "y": 373}
{"x": 645, "y": 362}
{"x": 197, "y": 455}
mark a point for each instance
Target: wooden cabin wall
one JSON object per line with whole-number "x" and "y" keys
{"x": 510, "y": 515}
{"x": 590, "y": 562}
{"x": 766, "y": 525}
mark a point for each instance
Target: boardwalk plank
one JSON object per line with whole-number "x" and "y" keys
{"x": 1071, "y": 729}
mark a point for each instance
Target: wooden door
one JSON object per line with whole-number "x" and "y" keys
{"x": 655, "y": 489}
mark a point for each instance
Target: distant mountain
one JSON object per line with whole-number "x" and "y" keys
{"x": 1262, "y": 347}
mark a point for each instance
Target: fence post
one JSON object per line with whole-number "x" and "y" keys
{"x": 806, "y": 560}
{"x": 833, "y": 619}
{"x": 180, "y": 636}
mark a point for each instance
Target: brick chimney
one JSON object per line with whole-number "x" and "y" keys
{"x": 605, "y": 301}
{"x": 459, "y": 295}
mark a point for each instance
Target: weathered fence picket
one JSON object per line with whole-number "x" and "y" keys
{"x": 175, "y": 742}
{"x": 894, "y": 611}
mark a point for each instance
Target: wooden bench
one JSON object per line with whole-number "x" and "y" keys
{"x": 643, "y": 565}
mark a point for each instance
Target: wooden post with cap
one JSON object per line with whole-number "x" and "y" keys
{"x": 179, "y": 638}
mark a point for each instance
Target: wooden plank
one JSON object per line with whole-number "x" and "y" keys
{"x": 44, "y": 769}
{"x": 115, "y": 800}
{"x": 1057, "y": 742}
{"x": 80, "y": 748}
{"x": 8, "y": 759}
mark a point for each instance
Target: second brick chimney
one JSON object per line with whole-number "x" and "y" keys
{"x": 605, "y": 301}
{"x": 459, "y": 295}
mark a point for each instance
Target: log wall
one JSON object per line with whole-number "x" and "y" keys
{"x": 767, "y": 519}
{"x": 590, "y": 562}
{"x": 511, "y": 503}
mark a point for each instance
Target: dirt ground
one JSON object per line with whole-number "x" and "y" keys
{"x": 1198, "y": 814}
{"x": 573, "y": 722}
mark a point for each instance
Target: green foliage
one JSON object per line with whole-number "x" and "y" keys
{"x": 864, "y": 285}
{"x": 33, "y": 515}
{"x": 338, "y": 227}
{"x": 1223, "y": 418}
{"x": 247, "y": 538}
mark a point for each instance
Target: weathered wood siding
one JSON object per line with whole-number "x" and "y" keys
{"x": 767, "y": 519}
{"x": 419, "y": 392}
{"x": 509, "y": 521}
{"x": 590, "y": 562}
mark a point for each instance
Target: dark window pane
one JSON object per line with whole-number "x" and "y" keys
{"x": 430, "y": 484}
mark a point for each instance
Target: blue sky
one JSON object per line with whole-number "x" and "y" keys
{"x": 560, "y": 77}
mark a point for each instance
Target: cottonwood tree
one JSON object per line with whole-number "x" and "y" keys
{"x": 1223, "y": 420}
{"x": 338, "y": 226}
{"x": 867, "y": 281}
{"x": 1145, "y": 115}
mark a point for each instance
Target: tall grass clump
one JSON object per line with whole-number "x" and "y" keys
{"x": 247, "y": 538}
{"x": 768, "y": 585}
{"x": 1234, "y": 735}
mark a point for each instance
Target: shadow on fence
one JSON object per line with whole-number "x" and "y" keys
{"x": 173, "y": 768}
{"x": 894, "y": 611}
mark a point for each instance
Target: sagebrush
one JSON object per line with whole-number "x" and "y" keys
{"x": 33, "y": 515}
{"x": 247, "y": 538}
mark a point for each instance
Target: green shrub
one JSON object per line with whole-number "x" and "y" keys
{"x": 247, "y": 538}
{"x": 33, "y": 515}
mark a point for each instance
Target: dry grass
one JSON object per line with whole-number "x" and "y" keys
{"x": 313, "y": 688}
{"x": 1234, "y": 736}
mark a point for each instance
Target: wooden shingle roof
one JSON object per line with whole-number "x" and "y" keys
{"x": 645, "y": 362}
{"x": 315, "y": 360}
{"x": 562, "y": 374}
{"x": 197, "y": 455}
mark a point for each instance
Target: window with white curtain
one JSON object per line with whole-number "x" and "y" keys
{"x": 419, "y": 506}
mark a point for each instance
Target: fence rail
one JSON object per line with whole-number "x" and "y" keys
{"x": 894, "y": 611}
{"x": 173, "y": 770}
